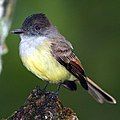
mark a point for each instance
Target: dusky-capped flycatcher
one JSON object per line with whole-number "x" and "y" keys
{"x": 47, "y": 54}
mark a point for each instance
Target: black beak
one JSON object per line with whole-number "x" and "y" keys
{"x": 17, "y": 31}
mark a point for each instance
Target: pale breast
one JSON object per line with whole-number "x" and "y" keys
{"x": 40, "y": 61}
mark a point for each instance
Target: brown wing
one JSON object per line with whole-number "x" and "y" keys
{"x": 62, "y": 51}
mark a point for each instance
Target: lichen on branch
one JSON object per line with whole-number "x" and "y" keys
{"x": 43, "y": 105}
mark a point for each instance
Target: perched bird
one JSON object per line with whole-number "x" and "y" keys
{"x": 47, "y": 54}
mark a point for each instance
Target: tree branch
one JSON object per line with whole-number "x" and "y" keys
{"x": 43, "y": 105}
{"x": 6, "y": 12}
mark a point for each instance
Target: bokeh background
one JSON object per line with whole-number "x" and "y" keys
{"x": 93, "y": 27}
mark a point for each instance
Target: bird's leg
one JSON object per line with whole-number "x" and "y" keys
{"x": 58, "y": 88}
{"x": 47, "y": 83}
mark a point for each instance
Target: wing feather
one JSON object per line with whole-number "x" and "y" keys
{"x": 62, "y": 51}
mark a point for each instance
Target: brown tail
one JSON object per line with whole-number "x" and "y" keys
{"x": 98, "y": 94}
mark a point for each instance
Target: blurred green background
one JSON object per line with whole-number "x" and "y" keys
{"x": 93, "y": 27}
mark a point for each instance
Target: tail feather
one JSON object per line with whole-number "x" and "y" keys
{"x": 98, "y": 94}
{"x": 71, "y": 85}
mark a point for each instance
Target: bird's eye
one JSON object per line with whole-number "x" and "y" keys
{"x": 37, "y": 27}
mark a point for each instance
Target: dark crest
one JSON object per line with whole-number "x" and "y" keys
{"x": 36, "y": 23}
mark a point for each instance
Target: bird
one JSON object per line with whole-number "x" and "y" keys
{"x": 48, "y": 55}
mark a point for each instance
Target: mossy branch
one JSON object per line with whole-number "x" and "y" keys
{"x": 43, "y": 105}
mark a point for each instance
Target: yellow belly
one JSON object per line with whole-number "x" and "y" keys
{"x": 45, "y": 66}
